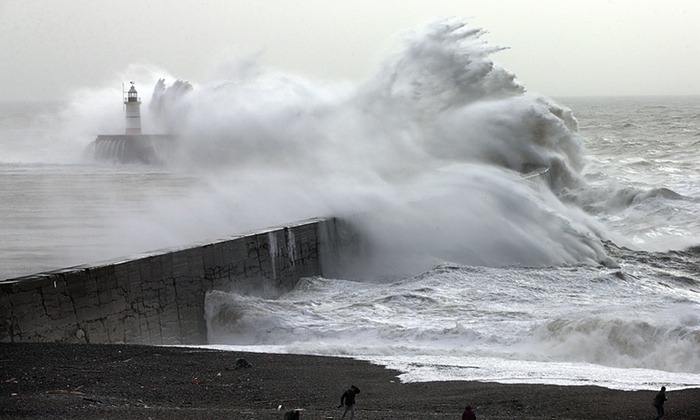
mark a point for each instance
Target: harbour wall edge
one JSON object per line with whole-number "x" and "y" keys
{"x": 158, "y": 298}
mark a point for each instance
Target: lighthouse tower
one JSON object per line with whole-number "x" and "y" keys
{"x": 132, "y": 104}
{"x": 132, "y": 146}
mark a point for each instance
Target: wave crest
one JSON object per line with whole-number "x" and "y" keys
{"x": 622, "y": 343}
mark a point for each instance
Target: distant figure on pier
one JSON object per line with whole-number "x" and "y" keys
{"x": 468, "y": 414}
{"x": 659, "y": 401}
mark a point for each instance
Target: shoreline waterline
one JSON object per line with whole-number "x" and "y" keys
{"x": 439, "y": 368}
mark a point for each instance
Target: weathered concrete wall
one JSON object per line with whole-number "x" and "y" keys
{"x": 158, "y": 298}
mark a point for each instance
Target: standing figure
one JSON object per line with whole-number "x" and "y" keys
{"x": 659, "y": 401}
{"x": 348, "y": 400}
{"x": 468, "y": 414}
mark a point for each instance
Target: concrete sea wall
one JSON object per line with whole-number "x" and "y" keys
{"x": 158, "y": 298}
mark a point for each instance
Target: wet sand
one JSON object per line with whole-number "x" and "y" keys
{"x": 58, "y": 381}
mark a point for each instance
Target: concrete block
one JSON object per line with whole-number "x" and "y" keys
{"x": 133, "y": 270}
{"x": 146, "y": 272}
{"x": 77, "y": 283}
{"x": 104, "y": 277}
{"x": 180, "y": 261}
{"x": 121, "y": 274}
{"x": 195, "y": 262}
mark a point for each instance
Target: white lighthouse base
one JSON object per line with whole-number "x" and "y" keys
{"x": 133, "y": 148}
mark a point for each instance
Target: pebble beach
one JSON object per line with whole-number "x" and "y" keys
{"x": 106, "y": 381}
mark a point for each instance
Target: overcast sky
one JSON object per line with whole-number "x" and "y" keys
{"x": 50, "y": 48}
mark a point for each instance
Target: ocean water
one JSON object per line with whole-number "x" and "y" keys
{"x": 508, "y": 236}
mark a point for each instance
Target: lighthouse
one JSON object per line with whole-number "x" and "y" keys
{"x": 132, "y": 146}
{"x": 132, "y": 104}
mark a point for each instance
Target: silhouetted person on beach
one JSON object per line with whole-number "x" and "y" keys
{"x": 468, "y": 414}
{"x": 659, "y": 401}
{"x": 348, "y": 400}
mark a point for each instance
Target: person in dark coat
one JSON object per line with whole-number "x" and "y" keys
{"x": 468, "y": 414}
{"x": 348, "y": 400}
{"x": 659, "y": 401}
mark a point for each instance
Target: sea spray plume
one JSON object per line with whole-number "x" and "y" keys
{"x": 231, "y": 124}
{"x": 472, "y": 116}
{"x": 475, "y": 215}
{"x": 430, "y": 152}
{"x": 162, "y": 97}
{"x": 444, "y": 65}
{"x": 522, "y": 134}
{"x": 254, "y": 113}
{"x": 88, "y": 113}
{"x": 470, "y": 109}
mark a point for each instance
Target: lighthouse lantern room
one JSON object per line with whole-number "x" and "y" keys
{"x": 132, "y": 104}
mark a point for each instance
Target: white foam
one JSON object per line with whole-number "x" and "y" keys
{"x": 563, "y": 326}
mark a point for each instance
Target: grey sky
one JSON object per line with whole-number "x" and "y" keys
{"x": 50, "y": 48}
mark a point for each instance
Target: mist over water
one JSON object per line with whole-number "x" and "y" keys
{"x": 503, "y": 237}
